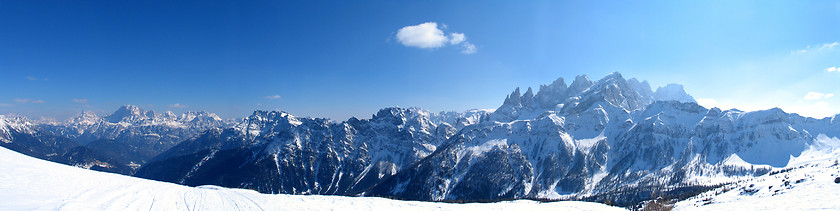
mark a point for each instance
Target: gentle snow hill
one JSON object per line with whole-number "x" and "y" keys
{"x": 31, "y": 184}
{"x": 807, "y": 183}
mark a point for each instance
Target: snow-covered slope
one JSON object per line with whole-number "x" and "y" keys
{"x": 31, "y": 184}
{"x": 810, "y": 182}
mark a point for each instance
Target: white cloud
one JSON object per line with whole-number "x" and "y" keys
{"x": 5, "y": 105}
{"x": 456, "y": 38}
{"x": 429, "y": 35}
{"x": 817, "y": 96}
{"x": 833, "y": 69}
{"x": 424, "y": 35}
{"x": 825, "y": 46}
{"x": 468, "y": 48}
{"x": 80, "y": 100}
{"x": 177, "y": 105}
{"x": 28, "y": 101}
{"x": 272, "y": 97}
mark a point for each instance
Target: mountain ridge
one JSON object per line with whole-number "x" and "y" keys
{"x": 589, "y": 138}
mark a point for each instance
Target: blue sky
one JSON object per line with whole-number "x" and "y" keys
{"x": 339, "y": 59}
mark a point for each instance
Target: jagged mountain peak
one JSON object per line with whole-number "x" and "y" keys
{"x": 559, "y": 82}
{"x": 644, "y": 85}
{"x": 614, "y": 78}
{"x": 14, "y": 122}
{"x": 461, "y": 119}
{"x": 579, "y": 96}
{"x": 127, "y": 113}
{"x": 643, "y": 88}
{"x": 196, "y": 116}
{"x": 84, "y": 118}
{"x": 613, "y": 75}
{"x": 398, "y": 112}
{"x": 549, "y": 96}
{"x": 417, "y": 117}
{"x": 395, "y": 115}
{"x": 612, "y": 89}
{"x": 262, "y": 115}
{"x": 514, "y": 98}
{"x": 672, "y": 92}
{"x": 714, "y": 112}
{"x": 580, "y": 84}
{"x": 170, "y": 115}
{"x": 529, "y": 93}
{"x": 528, "y": 98}
{"x": 261, "y": 122}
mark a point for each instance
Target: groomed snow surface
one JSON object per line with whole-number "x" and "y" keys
{"x": 28, "y": 183}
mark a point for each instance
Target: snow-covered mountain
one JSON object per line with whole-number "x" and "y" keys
{"x": 613, "y": 139}
{"x": 582, "y": 140}
{"x": 120, "y": 142}
{"x": 137, "y": 125}
{"x": 19, "y": 134}
{"x": 32, "y": 184}
{"x": 11, "y": 126}
{"x": 602, "y": 138}
{"x": 276, "y": 152}
{"x": 672, "y": 92}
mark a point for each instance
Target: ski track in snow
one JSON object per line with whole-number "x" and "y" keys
{"x": 28, "y": 183}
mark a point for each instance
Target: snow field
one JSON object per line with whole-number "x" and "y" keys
{"x": 28, "y": 183}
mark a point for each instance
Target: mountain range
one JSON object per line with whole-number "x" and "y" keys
{"x": 120, "y": 142}
{"x": 591, "y": 140}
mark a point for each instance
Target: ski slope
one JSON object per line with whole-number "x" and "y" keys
{"x": 28, "y": 183}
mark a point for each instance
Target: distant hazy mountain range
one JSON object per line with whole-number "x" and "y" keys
{"x": 120, "y": 142}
